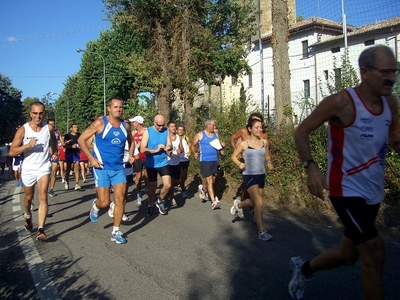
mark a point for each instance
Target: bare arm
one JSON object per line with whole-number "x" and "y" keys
{"x": 131, "y": 143}
{"x": 16, "y": 146}
{"x": 238, "y": 152}
{"x": 196, "y": 139}
{"x": 237, "y": 135}
{"x": 53, "y": 142}
{"x": 268, "y": 158}
{"x": 394, "y": 130}
{"x": 330, "y": 108}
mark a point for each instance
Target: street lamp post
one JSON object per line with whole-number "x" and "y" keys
{"x": 104, "y": 74}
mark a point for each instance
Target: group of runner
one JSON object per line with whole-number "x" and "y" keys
{"x": 362, "y": 121}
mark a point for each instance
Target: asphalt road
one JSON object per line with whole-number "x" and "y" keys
{"x": 191, "y": 253}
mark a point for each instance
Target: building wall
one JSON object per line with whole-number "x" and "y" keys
{"x": 311, "y": 68}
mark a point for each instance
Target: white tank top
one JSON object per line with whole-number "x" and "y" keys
{"x": 37, "y": 156}
{"x": 356, "y": 153}
{"x": 184, "y": 155}
{"x": 173, "y": 159}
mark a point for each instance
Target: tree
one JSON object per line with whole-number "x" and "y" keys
{"x": 280, "y": 37}
{"x": 341, "y": 78}
{"x": 11, "y": 116}
{"x": 184, "y": 41}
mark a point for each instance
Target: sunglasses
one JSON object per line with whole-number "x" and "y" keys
{"x": 159, "y": 125}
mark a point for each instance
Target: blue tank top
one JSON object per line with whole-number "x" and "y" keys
{"x": 159, "y": 159}
{"x": 207, "y": 152}
{"x": 109, "y": 145}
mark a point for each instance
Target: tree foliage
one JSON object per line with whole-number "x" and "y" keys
{"x": 11, "y": 116}
{"x": 343, "y": 76}
{"x": 182, "y": 42}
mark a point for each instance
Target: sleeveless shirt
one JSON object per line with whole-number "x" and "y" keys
{"x": 184, "y": 155}
{"x": 208, "y": 152}
{"x": 254, "y": 160}
{"x": 159, "y": 159}
{"x": 137, "y": 137}
{"x": 37, "y": 156}
{"x": 174, "y": 158}
{"x": 356, "y": 153}
{"x": 109, "y": 145}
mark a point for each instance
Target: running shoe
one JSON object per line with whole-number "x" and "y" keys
{"x": 94, "y": 213}
{"x": 139, "y": 200}
{"x": 215, "y": 204}
{"x": 28, "y": 224}
{"x": 84, "y": 180}
{"x": 66, "y": 185}
{"x": 41, "y": 236}
{"x": 63, "y": 180}
{"x": 202, "y": 194}
{"x": 184, "y": 194}
{"x": 150, "y": 211}
{"x": 161, "y": 208}
{"x": 173, "y": 202}
{"x": 298, "y": 281}
{"x": 51, "y": 193}
{"x": 264, "y": 235}
{"x": 117, "y": 237}
{"x": 77, "y": 187}
{"x": 236, "y": 210}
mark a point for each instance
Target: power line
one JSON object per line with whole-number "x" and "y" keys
{"x": 12, "y": 40}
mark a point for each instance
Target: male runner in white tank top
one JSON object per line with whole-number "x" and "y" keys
{"x": 361, "y": 122}
{"x": 35, "y": 139}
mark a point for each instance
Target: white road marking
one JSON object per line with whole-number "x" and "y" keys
{"x": 44, "y": 285}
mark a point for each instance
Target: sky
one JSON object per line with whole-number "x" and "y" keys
{"x": 38, "y": 38}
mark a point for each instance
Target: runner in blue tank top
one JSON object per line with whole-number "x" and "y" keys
{"x": 111, "y": 133}
{"x": 157, "y": 146}
{"x": 209, "y": 145}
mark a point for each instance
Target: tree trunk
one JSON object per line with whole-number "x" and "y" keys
{"x": 280, "y": 39}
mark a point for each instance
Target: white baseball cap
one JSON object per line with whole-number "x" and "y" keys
{"x": 138, "y": 119}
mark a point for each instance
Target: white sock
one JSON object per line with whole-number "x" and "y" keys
{"x": 95, "y": 207}
{"x": 27, "y": 216}
{"x": 115, "y": 229}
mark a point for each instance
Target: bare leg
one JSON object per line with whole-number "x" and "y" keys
{"x": 43, "y": 209}
{"x": 210, "y": 187}
{"x": 166, "y": 186}
{"x": 256, "y": 197}
{"x": 119, "y": 201}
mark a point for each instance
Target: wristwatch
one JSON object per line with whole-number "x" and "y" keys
{"x": 306, "y": 163}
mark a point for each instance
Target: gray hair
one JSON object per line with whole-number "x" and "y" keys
{"x": 208, "y": 121}
{"x": 369, "y": 56}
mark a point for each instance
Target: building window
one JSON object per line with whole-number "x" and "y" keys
{"x": 306, "y": 88}
{"x": 326, "y": 74}
{"x": 250, "y": 80}
{"x": 305, "y": 48}
{"x": 338, "y": 78}
{"x": 233, "y": 80}
{"x": 369, "y": 42}
{"x": 335, "y": 50}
